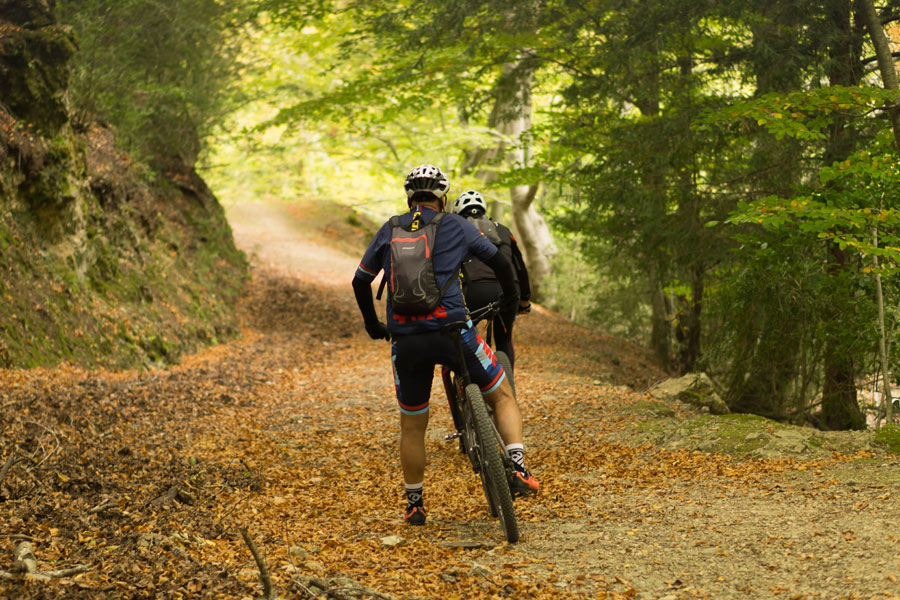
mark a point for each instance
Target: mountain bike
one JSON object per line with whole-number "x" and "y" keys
{"x": 478, "y": 434}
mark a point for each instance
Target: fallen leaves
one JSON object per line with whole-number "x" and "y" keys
{"x": 291, "y": 433}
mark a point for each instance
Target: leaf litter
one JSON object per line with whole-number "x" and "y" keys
{"x": 148, "y": 478}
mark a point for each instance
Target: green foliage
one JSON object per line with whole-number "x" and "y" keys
{"x": 807, "y": 258}
{"x": 803, "y": 114}
{"x": 888, "y": 437}
{"x": 400, "y": 58}
{"x": 593, "y": 284}
{"x": 714, "y": 166}
{"x": 154, "y": 70}
{"x": 311, "y": 131}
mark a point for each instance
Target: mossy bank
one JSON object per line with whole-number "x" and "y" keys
{"x": 102, "y": 261}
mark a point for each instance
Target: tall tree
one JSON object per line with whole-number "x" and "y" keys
{"x": 472, "y": 54}
{"x": 889, "y": 79}
{"x": 644, "y": 173}
{"x": 840, "y": 407}
{"x": 511, "y": 117}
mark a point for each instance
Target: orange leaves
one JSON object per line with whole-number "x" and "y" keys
{"x": 292, "y": 433}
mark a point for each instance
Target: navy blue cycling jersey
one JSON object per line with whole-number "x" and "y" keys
{"x": 456, "y": 239}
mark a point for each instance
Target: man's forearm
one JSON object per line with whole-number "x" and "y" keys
{"x": 504, "y": 272}
{"x": 363, "y": 292}
{"x": 522, "y": 272}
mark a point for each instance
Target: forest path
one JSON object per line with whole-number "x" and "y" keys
{"x": 765, "y": 530}
{"x": 288, "y": 237}
{"x": 291, "y": 433}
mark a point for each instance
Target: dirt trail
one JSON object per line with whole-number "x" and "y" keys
{"x": 280, "y": 240}
{"x": 691, "y": 534}
{"x": 291, "y": 433}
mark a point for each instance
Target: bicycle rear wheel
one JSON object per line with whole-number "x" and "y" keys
{"x": 489, "y": 447}
{"x": 472, "y": 450}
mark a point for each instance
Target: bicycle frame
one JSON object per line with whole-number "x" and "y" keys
{"x": 462, "y": 379}
{"x": 454, "y": 386}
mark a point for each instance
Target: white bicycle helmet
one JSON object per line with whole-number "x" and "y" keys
{"x": 469, "y": 199}
{"x": 427, "y": 178}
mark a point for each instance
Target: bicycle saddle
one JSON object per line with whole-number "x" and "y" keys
{"x": 456, "y": 326}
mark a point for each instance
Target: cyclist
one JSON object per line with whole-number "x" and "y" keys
{"x": 418, "y": 344}
{"x": 480, "y": 284}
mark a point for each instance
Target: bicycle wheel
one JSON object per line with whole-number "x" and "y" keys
{"x": 473, "y": 451}
{"x": 493, "y": 474}
{"x": 476, "y": 458}
{"x": 507, "y": 368}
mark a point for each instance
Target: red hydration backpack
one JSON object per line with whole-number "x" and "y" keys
{"x": 414, "y": 289}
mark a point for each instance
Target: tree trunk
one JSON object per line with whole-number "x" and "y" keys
{"x": 889, "y": 79}
{"x": 511, "y": 116}
{"x": 840, "y": 408}
{"x": 661, "y": 324}
{"x": 691, "y": 224}
{"x": 887, "y": 400}
{"x": 690, "y": 348}
{"x": 537, "y": 242}
{"x": 885, "y": 61}
{"x": 662, "y": 334}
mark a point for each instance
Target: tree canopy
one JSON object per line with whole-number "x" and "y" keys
{"x": 714, "y": 178}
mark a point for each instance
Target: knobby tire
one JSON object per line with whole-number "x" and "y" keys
{"x": 492, "y": 472}
{"x": 469, "y": 443}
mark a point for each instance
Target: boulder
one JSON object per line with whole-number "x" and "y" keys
{"x": 696, "y": 389}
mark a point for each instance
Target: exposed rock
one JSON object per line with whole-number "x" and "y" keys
{"x": 696, "y": 389}
{"x": 105, "y": 261}
{"x": 34, "y": 63}
{"x": 480, "y": 571}
{"x": 392, "y": 540}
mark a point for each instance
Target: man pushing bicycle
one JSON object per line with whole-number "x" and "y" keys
{"x": 421, "y": 252}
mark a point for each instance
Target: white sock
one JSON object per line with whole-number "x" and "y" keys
{"x": 516, "y": 452}
{"x": 414, "y": 493}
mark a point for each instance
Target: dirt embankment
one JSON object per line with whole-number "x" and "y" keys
{"x": 103, "y": 261}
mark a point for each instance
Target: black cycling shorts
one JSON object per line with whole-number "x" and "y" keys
{"x": 414, "y": 357}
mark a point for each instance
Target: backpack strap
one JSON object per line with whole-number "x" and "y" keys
{"x": 449, "y": 281}
{"x": 503, "y": 233}
{"x": 395, "y": 222}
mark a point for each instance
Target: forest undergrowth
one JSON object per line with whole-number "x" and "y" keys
{"x": 138, "y": 484}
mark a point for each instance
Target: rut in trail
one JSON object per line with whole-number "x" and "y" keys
{"x": 291, "y": 432}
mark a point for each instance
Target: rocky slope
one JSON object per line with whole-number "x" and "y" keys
{"x": 101, "y": 260}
